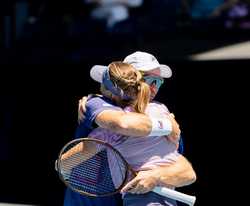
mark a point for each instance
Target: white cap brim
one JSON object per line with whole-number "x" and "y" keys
{"x": 165, "y": 70}
{"x": 97, "y": 71}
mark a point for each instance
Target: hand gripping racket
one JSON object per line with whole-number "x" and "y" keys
{"x": 94, "y": 168}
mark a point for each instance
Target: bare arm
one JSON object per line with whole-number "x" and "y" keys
{"x": 129, "y": 124}
{"x": 72, "y": 157}
{"x": 178, "y": 174}
{"x": 86, "y": 149}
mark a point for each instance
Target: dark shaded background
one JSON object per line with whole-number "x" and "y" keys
{"x": 45, "y": 71}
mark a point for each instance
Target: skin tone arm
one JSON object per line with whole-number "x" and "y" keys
{"x": 87, "y": 148}
{"x": 177, "y": 174}
{"x": 129, "y": 124}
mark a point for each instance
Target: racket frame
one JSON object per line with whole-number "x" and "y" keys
{"x": 188, "y": 199}
{"x": 87, "y": 139}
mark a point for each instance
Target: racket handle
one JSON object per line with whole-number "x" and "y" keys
{"x": 172, "y": 194}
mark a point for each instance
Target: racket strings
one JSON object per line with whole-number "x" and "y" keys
{"x": 78, "y": 159}
{"x": 93, "y": 174}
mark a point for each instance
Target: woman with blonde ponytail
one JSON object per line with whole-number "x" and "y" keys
{"x": 96, "y": 110}
{"x": 126, "y": 87}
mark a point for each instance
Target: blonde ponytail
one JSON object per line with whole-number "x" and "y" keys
{"x": 142, "y": 98}
{"x": 125, "y": 77}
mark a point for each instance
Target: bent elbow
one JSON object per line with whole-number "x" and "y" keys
{"x": 192, "y": 177}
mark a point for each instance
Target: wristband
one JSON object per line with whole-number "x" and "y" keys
{"x": 160, "y": 127}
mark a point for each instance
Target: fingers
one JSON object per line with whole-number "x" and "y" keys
{"x": 140, "y": 184}
{"x": 82, "y": 108}
{"x": 134, "y": 187}
{"x": 175, "y": 134}
{"x": 177, "y": 145}
{"x": 174, "y": 140}
{"x": 82, "y": 103}
{"x": 138, "y": 189}
{"x": 129, "y": 185}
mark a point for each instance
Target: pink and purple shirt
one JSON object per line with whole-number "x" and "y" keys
{"x": 141, "y": 153}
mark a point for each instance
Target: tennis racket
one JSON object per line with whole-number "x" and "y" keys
{"x": 94, "y": 168}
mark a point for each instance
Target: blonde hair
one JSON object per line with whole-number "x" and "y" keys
{"x": 127, "y": 78}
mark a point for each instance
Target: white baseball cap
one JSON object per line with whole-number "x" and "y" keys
{"x": 141, "y": 61}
